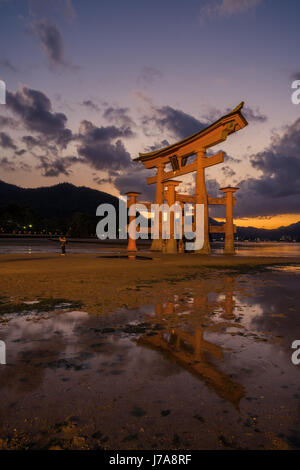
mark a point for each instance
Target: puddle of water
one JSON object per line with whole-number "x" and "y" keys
{"x": 31, "y": 309}
{"x": 130, "y": 257}
{"x": 287, "y": 269}
{"x": 209, "y": 369}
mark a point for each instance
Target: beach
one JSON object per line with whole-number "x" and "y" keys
{"x": 105, "y": 281}
{"x": 151, "y": 351}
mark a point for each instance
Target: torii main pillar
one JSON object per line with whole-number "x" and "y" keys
{"x": 171, "y": 245}
{"x": 201, "y": 198}
{"x": 157, "y": 244}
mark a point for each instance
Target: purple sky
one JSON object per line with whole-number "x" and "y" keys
{"x": 90, "y": 84}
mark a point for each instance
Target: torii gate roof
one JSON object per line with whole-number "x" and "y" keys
{"x": 227, "y": 124}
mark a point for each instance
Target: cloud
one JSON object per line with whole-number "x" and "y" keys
{"x": 8, "y": 65}
{"x": 173, "y": 121}
{"x": 20, "y": 152}
{"x": 213, "y": 188}
{"x": 31, "y": 141}
{"x": 228, "y": 158}
{"x": 24, "y": 166}
{"x": 102, "y": 148}
{"x": 51, "y": 41}
{"x": 90, "y": 104}
{"x": 7, "y": 165}
{"x": 254, "y": 115}
{"x": 135, "y": 180}
{"x": 148, "y": 76}
{"x": 40, "y": 143}
{"x": 166, "y": 119}
{"x": 6, "y": 141}
{"x": 226, "y": 8}
{"x": 99, "y": 180}
{"x": 277, "y": 190}
{"x": 251, "y": 114}
{"x": 119, "y": 116}
{"x": 52, "y": 44}
{"x": 228, "y": 172}
{"x": 35, "y": 110}
{"x": 57, "y": 167}
{"x": 48, "y": 135}
{"x": 157, "y": 146}
{"x": 8, "y": 122}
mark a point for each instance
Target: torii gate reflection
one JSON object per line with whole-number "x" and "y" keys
{"x": 192, "y": 351}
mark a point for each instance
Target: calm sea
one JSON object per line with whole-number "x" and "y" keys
{"x": 15, "y": 246}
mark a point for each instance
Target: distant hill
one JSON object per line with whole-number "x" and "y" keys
{"x": 61, "y": 200}
{"x": 288, "y": 233}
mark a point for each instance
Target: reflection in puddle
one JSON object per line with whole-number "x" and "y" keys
{"x": 288, "y": 269}
{"x": 209, "y": 368}
{"x": 194, "y": 353}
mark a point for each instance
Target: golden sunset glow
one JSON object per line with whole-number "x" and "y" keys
{"x": 266, "y": 222}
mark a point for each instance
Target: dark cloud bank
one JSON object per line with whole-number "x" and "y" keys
{"x": 275, "y": 191}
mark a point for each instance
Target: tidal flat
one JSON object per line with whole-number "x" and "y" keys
{"x": 162, "y": 352}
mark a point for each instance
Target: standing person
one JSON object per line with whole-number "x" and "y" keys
{"x": 63, "y": 241}
{"x": 180, "y": 246}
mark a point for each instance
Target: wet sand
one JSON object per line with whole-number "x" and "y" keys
{"x": 195, "y": 352}
{"x": 104, "y": 283}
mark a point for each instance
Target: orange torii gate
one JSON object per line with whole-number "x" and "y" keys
{"x": 178, "y": 155}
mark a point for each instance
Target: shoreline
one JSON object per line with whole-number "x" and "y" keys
{"x": 113, "y": 367}
{"x": 101, "y": 284}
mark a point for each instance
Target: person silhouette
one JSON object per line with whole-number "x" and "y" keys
{"x": 63, "y": 241}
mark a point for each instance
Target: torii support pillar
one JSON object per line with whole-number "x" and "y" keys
{"x": 171, "y": 245}
{"x": 201, "y": 198}
{"x": 181, "y": 246}
{"x": 157, "y": 244}
{"x": 131, "y": 200}
{"x": 229, "y": 228}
